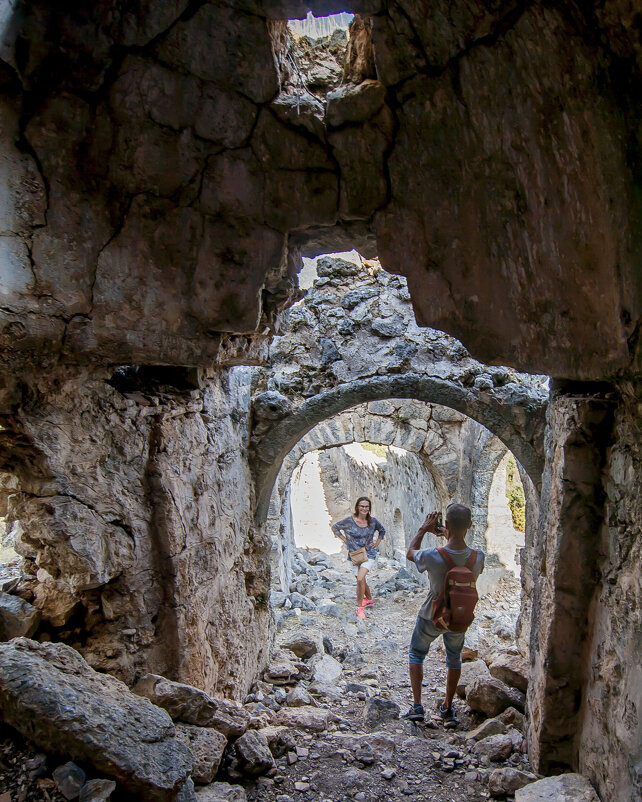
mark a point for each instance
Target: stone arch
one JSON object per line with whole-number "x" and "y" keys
{"x": 335, "y": 432}
{"x": 273, "y": 447}
{"x": 330, "y": 434}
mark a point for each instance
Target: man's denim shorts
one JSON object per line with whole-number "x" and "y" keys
{"x": 424, "y": 633}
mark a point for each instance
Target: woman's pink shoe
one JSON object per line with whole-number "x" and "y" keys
{"x": 368, "y": 603}
{"x": 360, "y": 613}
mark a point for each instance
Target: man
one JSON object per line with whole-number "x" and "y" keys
{"x": 458, "y": 521}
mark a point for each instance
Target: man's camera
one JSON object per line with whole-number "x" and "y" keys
{"x": 439, "y": 525}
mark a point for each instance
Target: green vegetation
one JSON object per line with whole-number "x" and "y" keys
{"x": 379, "y": 451}
{"x": 515, "y": 495}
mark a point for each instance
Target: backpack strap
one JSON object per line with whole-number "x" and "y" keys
{"x": 471, "y": 559}
{"x": 446, "y": 557}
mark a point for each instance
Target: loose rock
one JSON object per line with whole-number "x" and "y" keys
{"x": 253, "y": 753}
{"x": 206, "y": 745}
{"x": 508, "y": 780}
{"x": 511, "y": 669}
{"x": 69, "y": 779}
{"x": 377, "y": 711}
{"x": 565, "y": 788}
{"x": 491, "y": 696}
{"x": 97, "y": 791}
{"x": 92, "y": 717}
{"x": 193, "y": 706}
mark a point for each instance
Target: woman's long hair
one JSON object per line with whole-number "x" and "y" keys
{"x": 356, "y": 507}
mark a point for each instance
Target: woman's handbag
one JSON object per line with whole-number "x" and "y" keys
{"x": 359, "y": 556}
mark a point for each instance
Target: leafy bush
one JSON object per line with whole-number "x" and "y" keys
{"x": 515, "y": 495}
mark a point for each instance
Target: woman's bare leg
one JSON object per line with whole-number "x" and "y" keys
{"x": 362, "y": 586}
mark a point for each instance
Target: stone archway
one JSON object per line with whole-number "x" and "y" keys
{"x": 353, "y": 426}
{"x": 281, "y": 437}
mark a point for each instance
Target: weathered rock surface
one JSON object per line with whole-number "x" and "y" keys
{"x": 126, "y": 483}
{"x": 565, "y": 788}
{"x": 221, "y": 792}
{"x": 303, "y": 646}
{"x": 512, "y": 670}
{"x": 280, "y": 739}
{"x": 298, "y": 697}
{"x": 377, "y": 711}
{"x": 184, "y": 703}
{"x": 97, "y": 791}
{"x": 306, "y": 718}
{"x": 507, "y": 780}
{"x": 508, "y": 174}
{"x": 469, "y": 672}
{"x": 69, "y": 779}
{"x": 326, "y": 669}
{"x": 253, "y": 753}
{"x": 491, "y": 696}
{"x": 92, "y": 717}
{"x": 206, "y": 745}
{"x": 18, "y": 618}
{"x": 513, "y": 718}
{"x": 492, "y": 726}
{"x": 495, "y": 747}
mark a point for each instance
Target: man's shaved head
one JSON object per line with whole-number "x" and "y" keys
{"x": 458, "y": 517}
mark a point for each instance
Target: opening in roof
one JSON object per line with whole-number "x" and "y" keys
{"x": 318, "y": 27}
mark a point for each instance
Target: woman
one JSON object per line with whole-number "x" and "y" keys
{"x": 356, "y": 531}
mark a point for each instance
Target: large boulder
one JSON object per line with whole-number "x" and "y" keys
{"x": 50, "y": 695}
{"x": 207, "y": 746}
{"x": 565, "y": 788}
{"x": 508, "y": 780}
{"x": 491, "y": 696}
{"x": 469, "y": 672}
{"x": 315, "y": 719}
{"x": 18, "y": 618}
{"x": 512, "y": 669}
{"x": 193, "y": 706}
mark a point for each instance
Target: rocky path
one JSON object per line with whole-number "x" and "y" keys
{"x": 370, "y": 753}
{"x": 324, "y": 723}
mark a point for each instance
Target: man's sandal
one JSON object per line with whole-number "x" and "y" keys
{"x": 448, "y": 717}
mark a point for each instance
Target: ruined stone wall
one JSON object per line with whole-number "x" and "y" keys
{"x": 133, "y": 510}
{"x": 584, "y": 693}
{"x": 610, "y": 735}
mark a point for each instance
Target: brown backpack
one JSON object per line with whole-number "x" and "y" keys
{"x": 454, "y": 608}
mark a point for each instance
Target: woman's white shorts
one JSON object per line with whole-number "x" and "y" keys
{"x": 368, "y": 565}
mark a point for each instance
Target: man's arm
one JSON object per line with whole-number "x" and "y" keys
{"x": 427, "y": 526}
